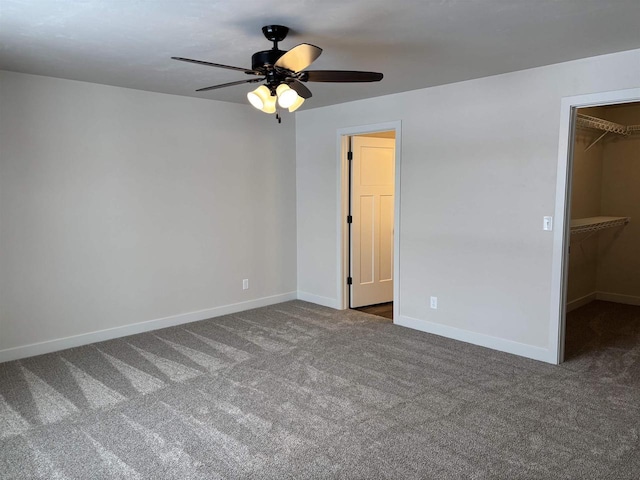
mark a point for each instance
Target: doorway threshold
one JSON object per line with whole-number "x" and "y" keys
{"x": 381, "y": 310}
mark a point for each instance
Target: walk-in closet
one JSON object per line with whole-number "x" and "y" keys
{"x": 603, "y": 286}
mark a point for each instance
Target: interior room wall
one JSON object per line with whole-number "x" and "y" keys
{"x": 478, "y": 173}
{"x": 586, "y": 193}
{"x": 120, "y": 206}
{"x": 619, "y": 256}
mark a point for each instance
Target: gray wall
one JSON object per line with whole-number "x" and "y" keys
{"x": 479, "y": 162}
{"x": 120, "y": 206}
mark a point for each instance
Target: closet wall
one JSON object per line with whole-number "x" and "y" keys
{"x": 586, "y": 193}
{"x": 606, "y": 181}
{"x": 619, "y": 249}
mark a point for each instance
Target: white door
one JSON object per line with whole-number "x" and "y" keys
{"x": 372, "y": 185}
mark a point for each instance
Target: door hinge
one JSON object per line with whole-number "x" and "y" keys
{"x": 349, "y": 280}
{"x": 349, "y": 155}
{"x": 349, "y": 219}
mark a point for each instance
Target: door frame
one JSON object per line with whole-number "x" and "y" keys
{"x": 560, "y": 262}
{"x": 342, "y": 147}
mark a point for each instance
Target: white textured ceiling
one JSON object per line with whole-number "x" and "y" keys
{"x": 415, "y": 43}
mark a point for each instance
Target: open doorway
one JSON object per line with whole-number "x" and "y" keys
{"x": 602, "y": 222}
{"x": 370, "y": 221}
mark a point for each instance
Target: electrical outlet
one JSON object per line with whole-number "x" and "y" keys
{"x": 434, "y": 303}
{"x": 245, "y": 284}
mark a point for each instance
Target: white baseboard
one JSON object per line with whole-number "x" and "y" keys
{"x": 580, "y": 302}
{"x": 617, "y": 298}
{"x": 495, "y": 343}
{"x": 318, "y": 300}
{"x": 55, "y": 345}
{"x": 605, "y": 297}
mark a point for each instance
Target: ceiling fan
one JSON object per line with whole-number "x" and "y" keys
{"x": 284, "y": 73}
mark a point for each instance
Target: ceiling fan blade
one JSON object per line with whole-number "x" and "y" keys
{"x": 299, "y": 57}
{"x": 339, "y": 76}
{"x": 230, "y": 84}
{"x": 300, "y": 89}
{"x": 209, "y": 64}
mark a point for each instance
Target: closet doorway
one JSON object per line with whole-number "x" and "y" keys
{"x": 602, "y": 275}
{"x": 370, "y": 219}
{"x": 344, "y": 137}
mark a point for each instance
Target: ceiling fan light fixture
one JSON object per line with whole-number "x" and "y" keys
{"x": 285, "y": 72}
{"x": 299, "y": 101}
{"x": 286, "y": 95}
{"x": 258, "y": 97}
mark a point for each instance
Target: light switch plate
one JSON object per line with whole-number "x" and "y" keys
{"x": 547, "y": 224}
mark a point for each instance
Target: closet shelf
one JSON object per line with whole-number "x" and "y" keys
{"x": 604, "y": 126}
{"x": 595, "y": 224}
{"x": 588, "y": 121}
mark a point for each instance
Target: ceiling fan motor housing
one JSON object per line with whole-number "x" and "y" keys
{"x": 260, "y": 61}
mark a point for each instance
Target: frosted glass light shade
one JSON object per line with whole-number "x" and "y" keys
{"x": 259, "y": 97}
{"x": 269, "y": 104}
{"x": 299, "y": 101}
{"x": 286, "y": 96}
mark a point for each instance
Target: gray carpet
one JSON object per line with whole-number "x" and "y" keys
{"x": 301, "y": 391}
